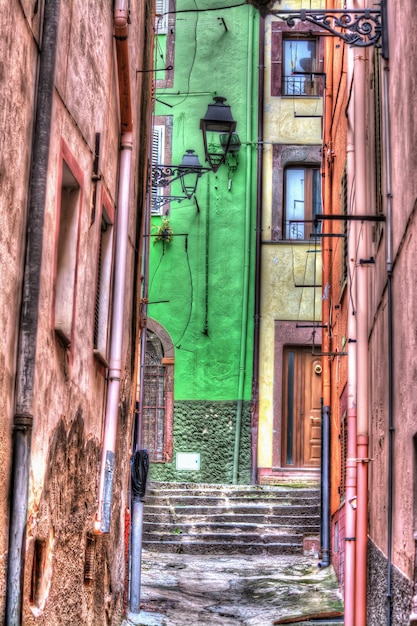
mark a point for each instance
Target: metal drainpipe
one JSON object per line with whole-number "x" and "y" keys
{"x": 102, "y": 523}
{"x": 351, "y": 463}
{"x": 326, "y": 344}
{"x": 28, "y": 328}
{"x": 391, "y": 424}
{"x": 246, "y": 249}
{"x": 136, "y": 532}
{"x": 258, "y": 261}
{"x": 362, "y": 418}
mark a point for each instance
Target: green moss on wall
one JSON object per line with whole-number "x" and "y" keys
{"x": 208, "y": 428}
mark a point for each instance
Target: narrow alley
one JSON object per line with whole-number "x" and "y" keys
{"x": 231, "y": 590}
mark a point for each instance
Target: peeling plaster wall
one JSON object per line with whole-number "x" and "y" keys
{"x": 403, "y": 120}
{"x": 18, "y": 66}
{"x": 70, "y": 383}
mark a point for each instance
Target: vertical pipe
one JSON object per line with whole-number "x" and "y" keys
{"x": 105, "y": 496}
{"x": 136, "y": 531}
{"x": 362, "y": 338}
{"x": 258, "y": 238}
{"x": 246, "y": 251}
{"x": 351, "y": 463}
{"x": 327, "y": 284}
{"x": 29, "y": 313}
{"x": 391, "y": 424}
{"x": 116, "y": 342}
{"x": 136, "y": 551}
{"x": 325, "y": 486}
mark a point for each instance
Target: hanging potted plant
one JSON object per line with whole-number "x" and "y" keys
{"x": 164, "y": 232}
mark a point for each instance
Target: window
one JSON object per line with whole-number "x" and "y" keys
{"x": 157, "y": 400}
{"x": 297, "y": 60}
{"x": 103, "y": 289}
{"x": 299, "y": 67}
{"x": 302, "y": 201}
{"x": 161, "y": 20}
{"x": 158, "y": 141}
{"x": 67, "y": 250}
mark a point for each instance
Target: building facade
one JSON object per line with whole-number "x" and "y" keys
{"x": 75, "y": 106}
{"x": 197, "y": 377}
{"x": 369, "y": 177}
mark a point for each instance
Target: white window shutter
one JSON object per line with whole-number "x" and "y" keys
{"x": 161, "y": 20}
{"x": 157, "y": 158}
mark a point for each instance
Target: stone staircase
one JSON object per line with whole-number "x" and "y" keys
{"x": 223, "y": 519}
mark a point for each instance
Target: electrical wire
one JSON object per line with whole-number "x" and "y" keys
{"x": 196, "y": 10}
{"x": 177, "y": 343}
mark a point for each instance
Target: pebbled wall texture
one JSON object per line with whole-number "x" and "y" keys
{"x": 208, "y": 427}
{"x": 401, "y": 589}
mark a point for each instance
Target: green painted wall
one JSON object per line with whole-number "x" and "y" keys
{"x": 201, "y": 272}
{"x": 197, "y": 282}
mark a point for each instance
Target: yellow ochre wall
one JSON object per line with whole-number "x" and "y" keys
{"x": 284, "y": 264}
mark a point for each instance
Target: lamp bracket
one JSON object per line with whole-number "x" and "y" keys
{"x": 359, "y": 27}
{"x": 164, "y": 175}
{"x": 160, "y": 201}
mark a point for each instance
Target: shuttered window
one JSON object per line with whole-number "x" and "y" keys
{"x": 157, "y": 158}
{"x": 161, "y": 19}
{"x": 103, "y": 284}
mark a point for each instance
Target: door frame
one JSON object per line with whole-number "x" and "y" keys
{"x": 286, "y": 334}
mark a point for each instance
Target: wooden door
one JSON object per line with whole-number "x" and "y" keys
{"x": 301, "y": 427}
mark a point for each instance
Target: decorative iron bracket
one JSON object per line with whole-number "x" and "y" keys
{"x": 361, "y": 27}
{"x": 164, "y": 175}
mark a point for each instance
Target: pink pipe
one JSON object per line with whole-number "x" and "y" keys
{"x": 362, "y": 336}
{"x": 102, "y": 522}
{"x": 350, "y": 494}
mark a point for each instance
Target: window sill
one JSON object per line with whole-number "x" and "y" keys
{"x": 100, "y": 358}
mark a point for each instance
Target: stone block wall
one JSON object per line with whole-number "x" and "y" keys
{"x": 208, "y": 427}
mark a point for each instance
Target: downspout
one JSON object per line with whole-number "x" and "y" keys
{"x": 246, "y": 250}
{"x": 258, "y": 238}
{"x": 102, "y": 524}
{"x": 391, "y": 424}
{"x": 136, "y": 533}
{"x": 29, "y": 314}
{"x": 351, "y": 463}
{"x": 362, "y": 336}
{"x": 326, "y": 303}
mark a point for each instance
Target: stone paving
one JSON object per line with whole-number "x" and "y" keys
{"x": 185, "y": 590}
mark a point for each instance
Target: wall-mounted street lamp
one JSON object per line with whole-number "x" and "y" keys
{"x": 188, "y": 172}
{"x": 218, "y": 120}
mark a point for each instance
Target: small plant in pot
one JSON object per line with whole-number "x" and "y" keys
{"x": 164, "y": 232}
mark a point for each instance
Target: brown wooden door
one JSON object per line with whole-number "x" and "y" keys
{"x": 301, "y": 427}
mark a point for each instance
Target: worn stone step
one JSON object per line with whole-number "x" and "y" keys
{"x": 198, "y": 547}
{"x": 260, "y": 537}
{"x": 247, "y": 509}
{"x": 224, "y": 519}
{"x": 166, "y": 517}
{"x": 203, "y": 526}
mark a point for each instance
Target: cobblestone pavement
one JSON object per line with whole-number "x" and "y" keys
{"x": 184, "y": 590}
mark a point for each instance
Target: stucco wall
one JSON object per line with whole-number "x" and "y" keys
{"x": 403, "y": 121}
{"x": 18, "y": 55}
{"x": 70, "y": 383}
